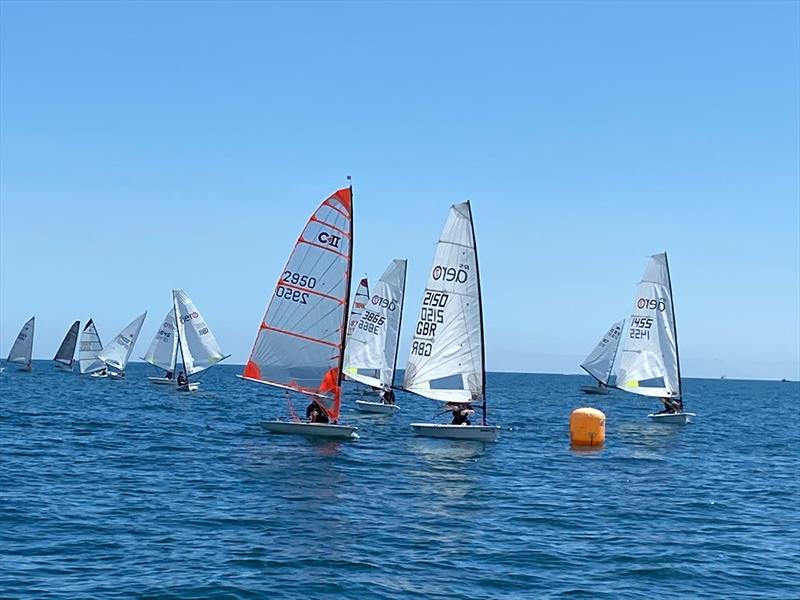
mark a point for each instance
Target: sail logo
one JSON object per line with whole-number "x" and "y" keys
{"x": 189, "y": 317}
{"x": 384, "y": 302}
{"x": 449, "y": 274}
{"x": 124, "y": 341}
{"x": 329, "y": 239}
{"x": 652, "y": 304}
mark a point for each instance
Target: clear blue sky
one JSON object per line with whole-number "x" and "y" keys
{"x": 147, "y": 146}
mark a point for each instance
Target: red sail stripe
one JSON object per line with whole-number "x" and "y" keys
{"x": 301, "y": 336}
{"x": 336, "y": 208}
{"x": 321, "y": 247}
{"x": 342, "y": 231}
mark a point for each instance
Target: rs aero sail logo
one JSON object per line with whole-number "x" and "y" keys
{"x": 652, "y": 304}
{"x": 329, "y": 239}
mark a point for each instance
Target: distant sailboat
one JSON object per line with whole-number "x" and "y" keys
{"x": 198, "y": 347}
{"x": 370, "y": 356}
{"x": 22, "y": 351}
{"x": 163, "y": 350}
{"x": 648, "y": 362}
{"x": 447, "y": 362}
{"x": 358, "y": 305}
{"x": 65, "y": 355}
{"x": 90, "y": 349}
{"x": 300, "y": 341}
{"x": 117, "y": 353}
{"x": 600, "y": 362}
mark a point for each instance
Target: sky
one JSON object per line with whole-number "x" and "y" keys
{"x": 150, "y": 146}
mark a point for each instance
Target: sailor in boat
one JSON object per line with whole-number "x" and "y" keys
{"x": 671, "y": 406}
{"x": 182, "y": 379}
{"x": 170, "y": 374}
{"x": 387, "y": 396}
{"x": 461, "y": 413}
{"x": 316, "y": 413}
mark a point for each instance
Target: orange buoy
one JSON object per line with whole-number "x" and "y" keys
{"x": 587, "y": 427}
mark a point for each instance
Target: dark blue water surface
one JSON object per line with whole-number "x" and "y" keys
{"x": 126, "y": 489}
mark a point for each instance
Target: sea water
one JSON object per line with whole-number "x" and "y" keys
{"x": 126, "y": 489}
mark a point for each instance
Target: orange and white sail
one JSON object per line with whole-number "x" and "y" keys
{"x": 300, "y": 341}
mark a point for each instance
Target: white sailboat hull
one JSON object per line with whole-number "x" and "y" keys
{"x": 192, "y": 386}
{"x": 478, "y": 433}
{"x": 99, "y": 375}
{"x": 113, "y": 375}
{"x": 681, "y": 418}
{"x": 162, "y": 380}
{"x": 376, "y": 407}
{"x": 594, "y": 389}
{"x": 324, "y": 430}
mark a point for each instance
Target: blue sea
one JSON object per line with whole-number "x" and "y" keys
{"x": 123, "y": 489}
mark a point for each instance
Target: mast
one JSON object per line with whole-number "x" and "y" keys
{"x": 346, "y": 311}
{"x": 399, "y": 323}
{"x": 178, "y": 334}
{"x": 674, "y": 327}
{"x": 480, "y": 311}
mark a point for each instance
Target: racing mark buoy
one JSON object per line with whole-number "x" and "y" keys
{"x": 587, "y": 427}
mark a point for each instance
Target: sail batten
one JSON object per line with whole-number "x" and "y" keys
{"x": 301, "y": 337}
{"x": 371, "y": 351}
{"x": 447, "y": 352}
{"x": 647, "y": 362}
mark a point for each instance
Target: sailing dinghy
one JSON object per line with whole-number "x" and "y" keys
{"x": 199, "y": 349}
{"x": 447, "y": 361}
{"x": 370, "y": 356}
{"x": 116, "y": 354}
{"x": 22, "y": 350}
{"x": 600, "y": 362}
{"x": 648, "y": 362}
{"x": 163, "y": 350}
{"x": 358, "y": 305}
{"x": 300, "y": 341}
{"x": 65, "y": 355}
{"x": 89, "y": 350}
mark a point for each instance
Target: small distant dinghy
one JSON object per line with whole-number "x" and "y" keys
{"x": 300, "y": 342}
{"x": 65, "y": 355}
{"x": 600, "y": 362}
{"x": 370, "y": 355}
{"x": 447, "y": 361}
{"x": 22, "y": 350}
{"x": 163, "y": 350}
{"x": 199, "y": 349}
{"x": 89, "y": 350}
{"x": 648, "y": 363}
{"x": 115, "y": 356}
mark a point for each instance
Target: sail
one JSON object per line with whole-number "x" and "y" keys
{"x": 648, "y": 354}
{"x": 90, "y": 348}
{"x": 164, "y": 347}
{"x": 66, "y": 351}
{"x": 446, "y": 361}
{"x": 370, "y": 356}
{"x": 299, "y": 342}
{"x": 117, "y": 353}
{"x": 600, "y": 361}
{"x": 199, "y": 349}
{"x": 22, "y": 350}
{"x": 357, "y": 306}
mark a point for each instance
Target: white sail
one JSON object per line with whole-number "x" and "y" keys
{"x": 66, "y": 351}
{"x": 163, "y": 349}
{"x": 300, "y": 339}
{"x": 199, "y": 350}
{"x": 358, "y": 305}
{"x": 370, "y": 355}
{"x": 22, "y": 350}
{"x": 648, "y": 356}
{"x": 89, "y": 349}
{"x": 446, "y": 361}
{"x": 117, "y": 353}
{"x": 600, "y": 361}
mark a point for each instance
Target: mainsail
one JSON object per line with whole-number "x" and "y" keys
{"x": 163, "y": 349}
{"x": 199, "y": 350}
{"x": 301, "y": 338}
{"x": 66, "y": 351}
{"x": 371, "y": 353}
{"x": 90, "y": 348}
{"x": 358, "y": 305}
{"x": 648, "y": 356}
{"x": 600, "y": 362}
{"x": 447, "y": 351}
{"x": 117, "y": 353}
{"x": 22, "y": 350}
